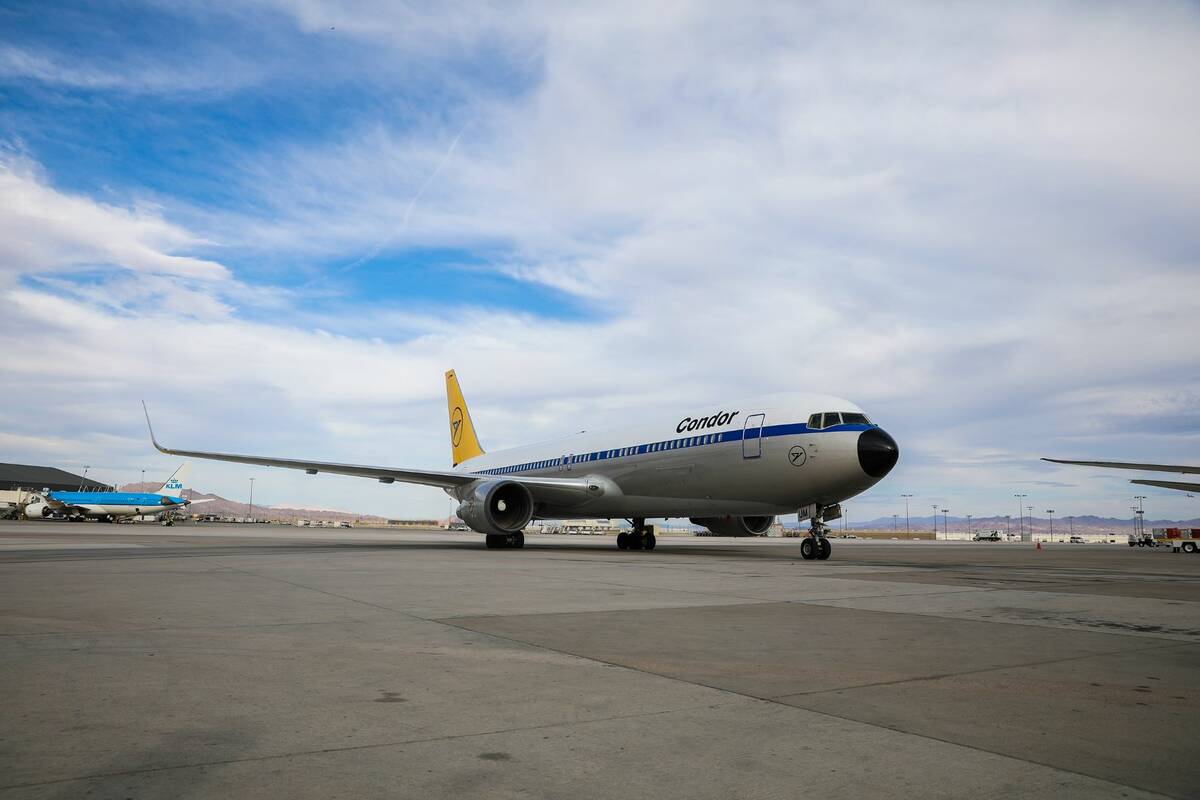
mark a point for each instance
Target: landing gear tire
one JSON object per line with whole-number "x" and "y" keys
{"x": 495, "y": 541}
{"x": 808, "y": 548}
{"x": 517, "y": 539}
{"x": 824, "y": 549}
{"x": 639, "y": 537}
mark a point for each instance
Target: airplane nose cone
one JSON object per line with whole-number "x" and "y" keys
{"x": 877, "y": 452}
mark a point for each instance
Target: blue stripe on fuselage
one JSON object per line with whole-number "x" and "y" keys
{"x": 676, "y": 443}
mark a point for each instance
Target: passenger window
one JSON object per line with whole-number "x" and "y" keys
{"x": 814, "y": 422}
{"x": 851, "y": 418}
{"x": 832, "y": 418}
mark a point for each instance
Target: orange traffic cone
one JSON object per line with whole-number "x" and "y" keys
{"x": 1039, "y": 546}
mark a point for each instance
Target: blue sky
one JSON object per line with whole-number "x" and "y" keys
{"x": 281, "y": 223}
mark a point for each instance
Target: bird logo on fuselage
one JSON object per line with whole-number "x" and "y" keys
{"x": 456, "y": 425}
{"x": 797, "y": 456}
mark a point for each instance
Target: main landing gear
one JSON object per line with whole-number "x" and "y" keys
{"x": 495, "y": 541}
{"x": 816, "y": 546}
{"x": 640, "y": 537}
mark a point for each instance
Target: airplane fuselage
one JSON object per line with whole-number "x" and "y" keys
{"x": 761, "y": 456}
{"x": 101, "y": 504}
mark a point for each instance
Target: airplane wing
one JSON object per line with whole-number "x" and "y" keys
{"x": 1180, "y": 485}
{"x": 559, "y": 490}
{"x": 1183, "y": 469}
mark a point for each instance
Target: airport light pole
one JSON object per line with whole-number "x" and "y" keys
{"x": 1008, "y": 525}
{"x": 906, "y": 528}
{"x": 142, "y": 488}
{"x": 895, "y": 522}
{"x": 252, "y": 499}
{"x": 1030, "y": 522}
{"x": 1141, "y": 516}
{"x": 935, "y": 510}
{"x": 1050, "y": 511}
{"x": 946, "y": 524}
{"x": 1021, "y": 514}
{"x": 968, "y": 525}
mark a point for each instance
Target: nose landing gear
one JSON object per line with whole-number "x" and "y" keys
{"x": 640, "y": 537}
{"x": 816, "y": 546}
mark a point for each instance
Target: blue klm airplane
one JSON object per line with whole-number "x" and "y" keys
{"x": 108, "y": 506}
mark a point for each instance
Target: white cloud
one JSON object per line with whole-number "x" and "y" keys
{"x": 45, "y": 230}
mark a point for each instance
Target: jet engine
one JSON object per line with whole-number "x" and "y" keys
{"x": 735, "y": 526}
{"x": 37, "y": 510}
{"x": 497, "y": 508}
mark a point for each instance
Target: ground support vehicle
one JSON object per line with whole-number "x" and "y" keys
{"x": 1180, "y": 540}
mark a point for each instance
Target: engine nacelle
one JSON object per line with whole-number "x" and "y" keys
{"x": 497, "y": 507}
{"x": 38, "y": 510}
{"x": 735, "y": 526}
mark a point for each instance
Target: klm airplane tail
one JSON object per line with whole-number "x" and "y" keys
{"x": 174, "y": 485}
{"x": 463, "y": 443}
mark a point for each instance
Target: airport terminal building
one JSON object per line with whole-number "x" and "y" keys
{"x": 18, "y": 480}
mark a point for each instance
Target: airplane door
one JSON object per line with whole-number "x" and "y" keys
{"x": 752, "y": 436}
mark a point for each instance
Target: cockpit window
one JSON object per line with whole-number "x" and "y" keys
{"x": 814, "y": 422}
{"x": 832, "y": 418}
{"x": 853, "y": 418}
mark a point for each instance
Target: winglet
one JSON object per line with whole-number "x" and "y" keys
{"x": 150, "y": 427}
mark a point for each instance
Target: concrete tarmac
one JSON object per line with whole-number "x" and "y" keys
{"x": 234, "y": 661}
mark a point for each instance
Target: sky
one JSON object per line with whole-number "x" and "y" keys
{"x": 280, "y": 222}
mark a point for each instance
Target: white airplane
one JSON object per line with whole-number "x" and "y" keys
{"x": 731, "y": 468}
{"x": 1182, "y": 469}
{"x": 108, "y": 506}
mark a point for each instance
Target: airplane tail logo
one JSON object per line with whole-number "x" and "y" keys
{"x": 174, "y": 485}
{"x": 456, "y": 426}
{"x": 463, "y": 442}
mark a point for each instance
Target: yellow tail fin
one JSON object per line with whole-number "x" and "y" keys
{"x": 463, "y": 442}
